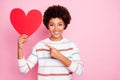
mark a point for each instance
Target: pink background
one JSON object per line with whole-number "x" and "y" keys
{"x": 95, "y": 27}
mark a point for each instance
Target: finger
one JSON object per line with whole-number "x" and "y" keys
{"x": 48, "y": 46}
{"x": 24, "y": 35}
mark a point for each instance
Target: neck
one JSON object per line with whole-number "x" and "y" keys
{"x": 56, "y": 39}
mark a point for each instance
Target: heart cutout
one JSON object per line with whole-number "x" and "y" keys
{"x": 25, "y": 24}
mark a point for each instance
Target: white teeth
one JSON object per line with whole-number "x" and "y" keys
{"x": 56, "y": 32}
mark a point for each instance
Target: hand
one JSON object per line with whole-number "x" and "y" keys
{"x": 54, "y": 52}
{"x": 21, "y": 40}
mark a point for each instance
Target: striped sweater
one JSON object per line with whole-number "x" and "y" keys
{"x": 50, "y": 68}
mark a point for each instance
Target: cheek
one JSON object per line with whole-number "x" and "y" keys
{"x": 61, "y": 28}
{"x": 50, "y": 30}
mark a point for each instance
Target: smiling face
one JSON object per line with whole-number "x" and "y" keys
{"x": 56, "y": 27}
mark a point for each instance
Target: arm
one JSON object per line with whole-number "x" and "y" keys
{"x": 76, "y": 65}
{"x": 21, "y": 40}
{"x": 56, "y": 54}
{"x": 25, "y": 65}
{"x": 73, "y": 65}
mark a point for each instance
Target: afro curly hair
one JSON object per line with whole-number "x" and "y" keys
{"x": 56, "y": 11}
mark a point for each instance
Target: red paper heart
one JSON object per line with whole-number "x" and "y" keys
{"x": 25, "y": 24}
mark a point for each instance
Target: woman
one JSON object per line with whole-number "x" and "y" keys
{"x": 58, "y": 58}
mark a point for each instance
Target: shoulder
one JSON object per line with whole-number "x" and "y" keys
{"x": 70, "y": 41}
{"x": 73, "y": 45}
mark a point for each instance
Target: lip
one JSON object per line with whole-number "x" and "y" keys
{"x": 56, "y": 32}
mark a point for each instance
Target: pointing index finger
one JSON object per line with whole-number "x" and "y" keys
{"x": 48, "y": 46}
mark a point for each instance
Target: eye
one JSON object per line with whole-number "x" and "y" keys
{"x": 51, "y": 25}
{"x": 60, "y": 24}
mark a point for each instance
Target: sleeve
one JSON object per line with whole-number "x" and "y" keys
{"x": 76, "y": 66}
{"x": 26, "y": 65}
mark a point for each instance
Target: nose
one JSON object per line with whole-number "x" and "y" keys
{"x": 56, "y": 28}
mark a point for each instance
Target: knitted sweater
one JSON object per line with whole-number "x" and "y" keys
{"x": 50, "y": 68}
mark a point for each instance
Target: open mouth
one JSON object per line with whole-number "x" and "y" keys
{"x": 56, "y": 32}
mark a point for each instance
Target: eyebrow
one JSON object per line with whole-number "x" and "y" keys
{"x": 53, "y": 22}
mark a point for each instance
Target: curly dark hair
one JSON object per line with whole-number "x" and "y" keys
{"x": 56, "y": 11}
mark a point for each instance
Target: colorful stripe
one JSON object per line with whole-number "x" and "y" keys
{"x": 49, "y": 50}
{"x": 55, "y": 74}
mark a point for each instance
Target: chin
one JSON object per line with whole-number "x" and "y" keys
{"x": 56, "y": 36}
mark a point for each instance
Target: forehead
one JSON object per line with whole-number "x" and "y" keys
{"x": 56, "y": 20}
